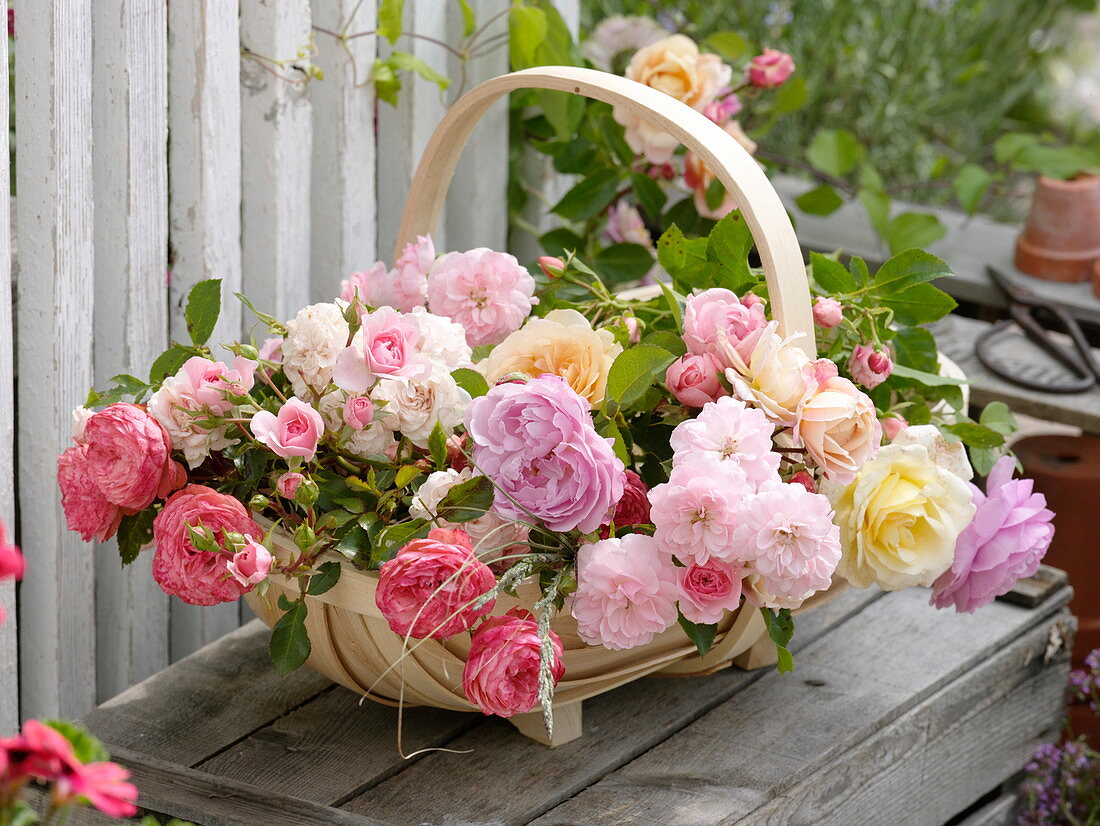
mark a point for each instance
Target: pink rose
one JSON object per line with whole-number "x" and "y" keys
{"x": 717, "y": 314}
{"x": 250, "y": 565}
{"x": 1006, "y": 541}
{"x": 693, "y": 379}
{"x": 358, "y": 412}
{"x": 750, "y": 300}
{"x": 837, "y": 423}
{"x": 806, "y": 479}
{"x": 552, "y": 266}
{"x": 828, "y": 312}
{"x": 371, "y": 287}
{"x": 537, "y": 442}
{"x": 272, "y": 350}
{"x": 870, "y": 367}
{"x": 384, "y": 347}
{"x": 430, "y": 587}
{"x": 212, "y": 382}
{"x": 128, "y": 457}
{"x": 502, "y": 670}
{"x": 409, "y": 285}
{"x": 487, "y": 292}
{"x": 87, "y": 510}
{"x": 727, "y": 106}
{"x": 892, "y": 426}
{"x": 626, "y": 592}
{"x": 770, "y": 69}
{"x": 633, "y": 507}
{"x": 288, "y": 483}
{"x": 294, "y": 432}
{"x": 729, "y": 431}
{"x": 196, "y": 576}
{"x": 708, "y": 591}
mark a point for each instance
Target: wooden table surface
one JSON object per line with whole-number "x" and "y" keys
{"x": 896, "y": 713}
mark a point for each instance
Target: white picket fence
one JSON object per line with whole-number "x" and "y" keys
{"x": 147, "y": 140}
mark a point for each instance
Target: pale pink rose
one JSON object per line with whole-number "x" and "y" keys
{"x": 295, "y": 431}
{"x": 770, "y": 69}
{"x": 788, "y": 538}
{"x": 487, "y": 292}
{"x": 87, "y": 510}
{"x": 250, "y": 565}
{"x": 430, "y": 588}
{"x": 708, "y": 591}
{"x": 552, "y": 266}
{"x": 634, "y": 328}
{"x": 837, "y": 425}
{"x": 717, "y": 315}
{"x": 696, "y": 512}
{"x": 501, "y": 675}
{"x": 806, "y": 479}
{"x": 870, "y": 367}
{"x": 196, "y": 576}
{"x": 212, "y": 382}
{"x": 287, "y": 484}
{"x": 371, "y": 287}
{"x": 442, "y": 339}
{"x": 625, "y": 226}
{"x": 386, "y": 346}
{"x": 944, "y": 453}
{"x": 626, "y": 593}
{"x": 693, "y": 379}
{"x": 892, "y": 426}
{"x": 358, "y": 412}
{"x": 409, "y": 286}
{"x": 828, "y": 312}
{"x": 182, "y": 410}
{"x": 272, "y": 350}
{"x": 416, "y": 407}
{"x": 751, "y": 300}
{"x": 771, "y": 374}
{"x": 727, "y": 430}
{"x": 674, "y": 66}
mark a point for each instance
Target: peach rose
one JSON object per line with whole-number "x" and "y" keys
{"x": 673, "y": 66}
{"x": 562, "y": 343}
{"x": 699, "y": 178}
{"x": 837, "y": 423}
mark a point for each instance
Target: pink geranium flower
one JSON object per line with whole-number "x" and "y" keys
{"x": 384, "y": 347}
{"x": 730, "y": 431}
{"x": 488, "y": 293}
{"x": 501, "y": 675}
{"x": 103, "y": 784}
{"x": 295, "y": 431}
{"x": 12, "y": 563}
{"x": 626, "y": 593}
{"x": 1007, "y": 540}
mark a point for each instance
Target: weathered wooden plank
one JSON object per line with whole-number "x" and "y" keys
{"x": 9, "y": 647}
{"x": 276, "y": 133}
{"x": 206, "y": 701}
{"x": 861, "y": 678}
{"x": 956, "y": 336}
{"x": 1001, "y": 812}
{"x": 342, "y": 191}
{"x": 53, "y": 122}
{"x": 130, "y": 159}
{"x": 477, "y": 204}
{"x": 213, "y": 801}
{"x": 618, "y": 726}
{"x": 204, "y": 154}
{"x": 403, "y": 130}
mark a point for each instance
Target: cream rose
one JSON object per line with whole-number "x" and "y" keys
{"x": 899, "y": 519}
{"x": 562, "y": 343}
{"x": 770, "y": 375}
{"x": 837, "y": 423}
{"x": 948, "y": 455}
{"x": 673, "y": 66}
{"x": 315, "y": 337}
{"x": 414, "y": 407}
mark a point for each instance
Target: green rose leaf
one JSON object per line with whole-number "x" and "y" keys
{"x": 204, "y": 304}
{"x": 623, "y": 262}
{"x": 909, "y": 268}
{"x": 997, "y": 416}
{"x": 467, "y": 500}
{"x": 168, "y": 363}
{"x": 970, "y": 186}
{"x": 834, "y": 151}
{"x": 471, "y": 381}
{"x": 973, "y": 434}
{"x": 437, "y": 443}
{"x": 650, "y": 195}
{"x": 732, "y": 47}
{"x": 134, "y": 532}
{"x": 328, "y": 574}
{"x": 701, "y": 635}
{"x": 527, "y": 29}
{"x": 391, "y": 15}
{"x": 831, "y": 275}
{"x": 925, "y": 378}
{"x": 393, "y": 538}
{"x": 919, "y": 304}
{"x": 469, "y": 21}
{"x": 290, "y": 646}
{"x": 823, "y": 200}
{"x": 780, "y": 630}
{"x": 912, "y": 230}
{"x": 589, "y": 197}
{"x": 672, "y": 250}
{"x": 634, "y": 370}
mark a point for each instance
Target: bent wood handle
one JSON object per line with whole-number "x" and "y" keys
{"x": 735, "y": 168}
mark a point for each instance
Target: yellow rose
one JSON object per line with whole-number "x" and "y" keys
{"x": 562, "y": 343}
{"x": 673, "y": 66}
{"x": 899, "y": 519}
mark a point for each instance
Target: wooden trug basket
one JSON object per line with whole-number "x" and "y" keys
{"x": 352, "y": 643}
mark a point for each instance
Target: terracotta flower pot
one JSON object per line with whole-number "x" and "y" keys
{"x": 1061, "y": 240}
{"x": 1096, "y": 277}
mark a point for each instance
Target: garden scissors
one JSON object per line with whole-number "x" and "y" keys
{"x": 1023, "y": 308}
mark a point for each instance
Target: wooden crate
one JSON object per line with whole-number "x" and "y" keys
{"x": 896, "y": 713}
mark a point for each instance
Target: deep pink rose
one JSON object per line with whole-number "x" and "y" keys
{"x": 708, "y": 591}
{"x": 288, "y": 483}
{"x": 294, "y": 432}
{"x": 358, "y": 412}
{"x": 87, "y": 510}
{"x": 717, "y": 314}
{"x": 828, "y": 312}
{"x": 250, "y": 565}
{"x": 128, "y": 457}
{"x": 633, "y": 507}
{"x": 195, "y": 576}
{"x": 429, "y": 588}
{"x": 770, "y": 69}
{"x": 537, "y": 442}
{"x": 870, "y": 367}
{"x": 212, "y": 382}
{"x": 693, "y": 379}
{"x": 1007, "y": 540}
{"x": 502, "y": 670}
{"x": 385, "y": 347}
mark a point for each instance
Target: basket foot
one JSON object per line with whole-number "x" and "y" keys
{"x": 567, "y": 725}
{"x": 760, "y": 655}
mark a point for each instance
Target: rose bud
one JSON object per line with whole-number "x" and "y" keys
{"x": 551, "y": 266}
{"x": 770, "y": 69}
{"x": 827, "y": 312}
{"x": 693, "y": 380}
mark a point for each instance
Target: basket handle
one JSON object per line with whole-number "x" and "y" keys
{"x": 750, "y": 188}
